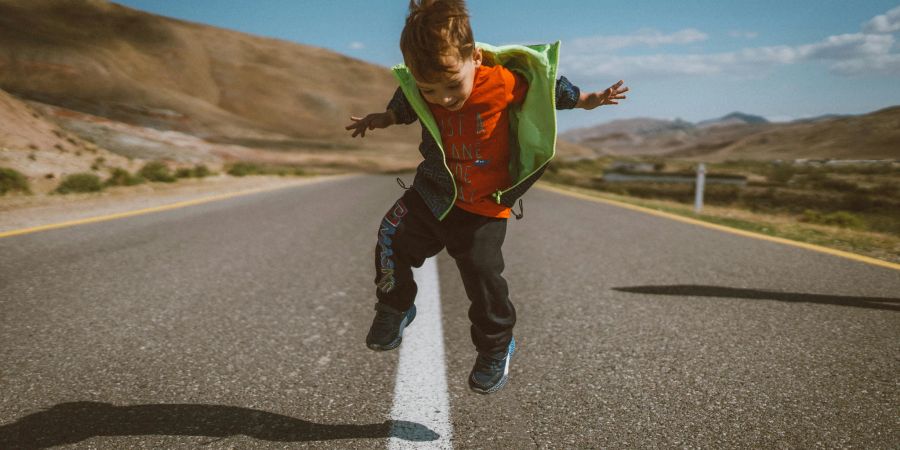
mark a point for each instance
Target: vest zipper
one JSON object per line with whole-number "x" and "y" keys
{"x": 415, "y": 100}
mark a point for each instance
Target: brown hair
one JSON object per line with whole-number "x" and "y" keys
{"x": 434, "y": 28}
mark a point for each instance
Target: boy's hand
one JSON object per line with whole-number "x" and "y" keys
{"x": 608, "y": 97}
{"x": 370, "y": 122}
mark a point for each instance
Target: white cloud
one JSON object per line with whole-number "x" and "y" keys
{"x": 876, "y": 65}
{"x": 849, "y": 46}
{"x": 356, "y": 45}
{"x": 864, "y": 53}
{"x": 645, "y": 37}
{"x": 885, "y": 23}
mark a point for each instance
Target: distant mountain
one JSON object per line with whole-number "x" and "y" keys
{"x": 735, "y": 118}
{"x": 869, "y": 136}
{"x": 822, "y": 118}
{"x": 621, "y": 136}
{"x": 738, "y": 135}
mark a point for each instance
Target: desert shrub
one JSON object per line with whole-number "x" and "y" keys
{"x": 883, "y": 222}
{"x": 857, "y": 201}
{"x": 721, "y": 194}
{"x": 241, "y": 169}
{"x": 80, "y": 182}
{"x": 886, "y": 189}
{"x": 121, "y": 177}
{"x": 836, "y": 184}
{"x": 791, "y": 200}
{"x": 780, "y": 173}
{"x": 156, "y": 171}
{"x": 842, "y": 219}
{"x": 677, "y": 192}
{"x": 12, "y": 180}
{"x": 198, "y": 171}
{"x": 201, "y": 171}
{"x": 816, "y": 176}
{"x": 285, "y": 171}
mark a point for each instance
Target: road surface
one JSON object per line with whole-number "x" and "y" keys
{"x": 241, "y": 323}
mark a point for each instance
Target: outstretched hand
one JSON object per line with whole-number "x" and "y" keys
{"x": 370, "y": 122}
{"x": 608, "y": 97}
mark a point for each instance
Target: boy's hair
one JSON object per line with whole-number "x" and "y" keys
{"x": 433, "y": 28}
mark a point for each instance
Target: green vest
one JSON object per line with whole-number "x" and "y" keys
{"x": 532, "y": 127}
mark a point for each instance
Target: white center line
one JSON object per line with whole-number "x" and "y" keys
{"x": 421, "y": 406}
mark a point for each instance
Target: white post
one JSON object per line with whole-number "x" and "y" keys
{"x": 701, "y": 181}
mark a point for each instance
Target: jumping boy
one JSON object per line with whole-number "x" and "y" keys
{"x": 488, "y": 132}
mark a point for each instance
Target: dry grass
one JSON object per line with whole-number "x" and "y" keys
{"x": 876, "y": 245}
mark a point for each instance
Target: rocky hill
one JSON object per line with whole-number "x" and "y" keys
{"x": 741, "y": 136}
{"x": 113, "y": 75}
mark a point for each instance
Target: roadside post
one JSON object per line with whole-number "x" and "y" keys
{"x": 701, "y": 181}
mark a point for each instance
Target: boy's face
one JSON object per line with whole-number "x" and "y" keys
{"x": 452, "y": 88}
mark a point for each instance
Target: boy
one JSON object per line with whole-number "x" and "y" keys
{"x": 488, "y": 132}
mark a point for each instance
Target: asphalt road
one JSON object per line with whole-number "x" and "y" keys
{"x": 241, "y": 324}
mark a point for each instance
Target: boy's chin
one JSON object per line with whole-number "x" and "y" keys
{"x": 456, "y": 106}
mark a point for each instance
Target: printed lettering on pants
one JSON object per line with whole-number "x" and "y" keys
{"x": 385, "y": 238}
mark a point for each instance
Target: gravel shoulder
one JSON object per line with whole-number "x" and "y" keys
{"x": 24, "y": 211}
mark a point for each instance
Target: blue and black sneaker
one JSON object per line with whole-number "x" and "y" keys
{"x": 386, "y": 332}
{"x": 491, "y": 372}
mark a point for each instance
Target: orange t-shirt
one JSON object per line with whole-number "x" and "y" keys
{"x": 476, "y": 139}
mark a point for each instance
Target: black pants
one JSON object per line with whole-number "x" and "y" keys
{"x": 409, "y": 233}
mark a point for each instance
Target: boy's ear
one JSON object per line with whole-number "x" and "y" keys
{"x": 477, "y": 56}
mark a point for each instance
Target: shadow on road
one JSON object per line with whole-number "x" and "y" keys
{"x": 890, "y": 304}
{"x": 69, "y": 423}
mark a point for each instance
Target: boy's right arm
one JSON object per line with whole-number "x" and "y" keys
{"x": 398, "y": 111}
{"x": 403, "y": 111}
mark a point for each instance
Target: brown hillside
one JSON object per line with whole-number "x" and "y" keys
{"x": 43, "y": 151}
{"x": 871, "y": 136}
{"x": 111, "y": 61}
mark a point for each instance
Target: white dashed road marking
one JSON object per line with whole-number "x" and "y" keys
{"x": 420, "y": 392}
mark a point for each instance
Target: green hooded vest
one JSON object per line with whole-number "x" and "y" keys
{"x": 532, "y": 126}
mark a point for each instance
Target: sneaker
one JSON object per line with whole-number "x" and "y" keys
{"x": 386, "y": 332}
{"x": 491, "y": 373}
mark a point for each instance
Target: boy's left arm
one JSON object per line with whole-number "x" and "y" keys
{"x": 569, "y": 96}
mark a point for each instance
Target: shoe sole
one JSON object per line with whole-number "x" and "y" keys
{"x": 410, "y": 316}
{"x": 503, "y": 380}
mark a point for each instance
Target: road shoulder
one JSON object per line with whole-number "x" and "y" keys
{"x": 29, "y": 211}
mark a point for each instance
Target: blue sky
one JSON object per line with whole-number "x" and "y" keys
{"x": 692, "y": 59}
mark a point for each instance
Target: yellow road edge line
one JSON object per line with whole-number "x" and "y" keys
{"x": 139, "y": 212}
{"x": 750, "y": 234}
